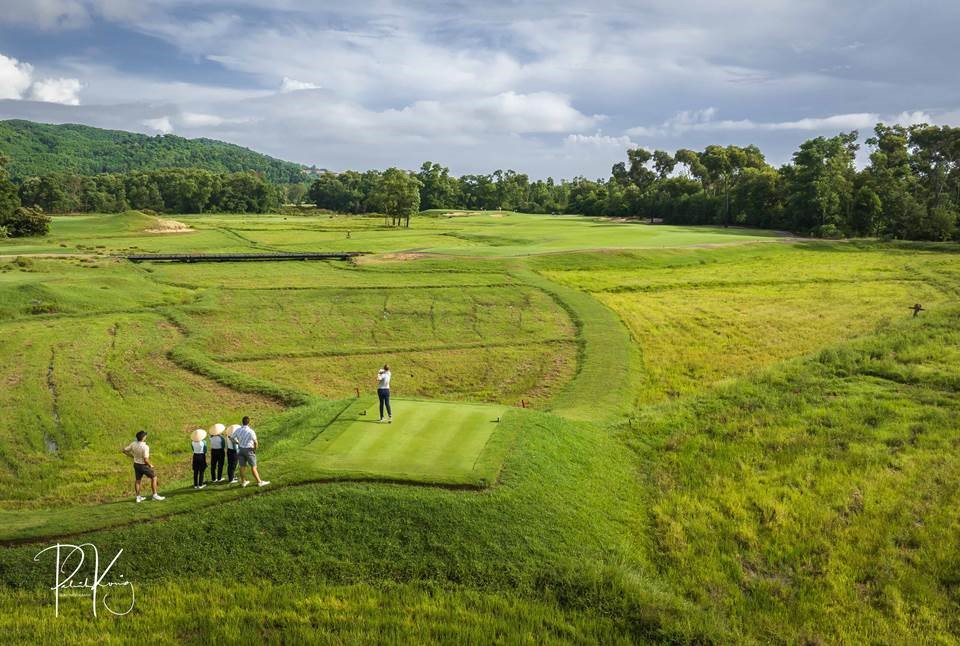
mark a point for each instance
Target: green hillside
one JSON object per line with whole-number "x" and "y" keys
{"x": 665, "y": 435}
{"x": 41, "y": 148}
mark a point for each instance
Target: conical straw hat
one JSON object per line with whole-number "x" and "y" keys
{"x": 198, "y": 435}
{"x": 231, "y": 429}
{"x": 217, "y": 429}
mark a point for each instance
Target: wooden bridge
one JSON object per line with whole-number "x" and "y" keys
{"x": 243, "y": 257}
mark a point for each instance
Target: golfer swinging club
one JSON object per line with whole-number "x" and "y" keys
{"x": 383, "y": 392}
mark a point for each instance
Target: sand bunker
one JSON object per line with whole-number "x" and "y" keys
{"x": 389, "y": 257}
{"x": 168, "y": 226}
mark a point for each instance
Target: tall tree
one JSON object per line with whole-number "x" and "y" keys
{"x": 9, "y": 198}
{"x": 820, "y": 184}
{"x": 397, "y": 195}
{"x": 439, "y": 190}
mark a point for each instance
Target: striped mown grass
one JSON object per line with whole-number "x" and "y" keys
{"x": 427, "y": 441}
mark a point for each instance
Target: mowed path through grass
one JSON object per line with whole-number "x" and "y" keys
{"x": 428, "y": 441}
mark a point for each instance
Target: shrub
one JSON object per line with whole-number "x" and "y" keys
{"x": 829, "y": 231}
{"x": 26, "y": 221}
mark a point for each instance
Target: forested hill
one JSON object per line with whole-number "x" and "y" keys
{"x": 40, "y": 149}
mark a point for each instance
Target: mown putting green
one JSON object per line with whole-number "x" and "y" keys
{"x": 428, "y": 441}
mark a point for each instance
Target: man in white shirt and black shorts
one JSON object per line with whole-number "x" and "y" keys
{"x": 140, "y": 453}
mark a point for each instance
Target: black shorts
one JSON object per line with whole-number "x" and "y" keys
{"x": 143, "y": 470}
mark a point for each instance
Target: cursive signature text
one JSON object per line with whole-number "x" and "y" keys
{"x": 67, "y": 582}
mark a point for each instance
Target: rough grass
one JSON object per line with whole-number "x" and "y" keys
{"x": 694, "y": 338}
{"x": 76, "y": 391}
{"x": 167, "y": 613}
{"x": 534, "y": 372}
{"x": 703, "y": 317}
{"x": 252, "y": 323}
{"x": 787, "y": 470}
{"x": 817, "y": 503}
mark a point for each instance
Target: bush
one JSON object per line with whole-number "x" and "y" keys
{"x": 828, "y": 231}
{"x": 26, "y": 221}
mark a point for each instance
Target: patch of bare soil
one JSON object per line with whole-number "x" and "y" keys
{"x": 389, "y": 257}
{"x": 169, "y": 226}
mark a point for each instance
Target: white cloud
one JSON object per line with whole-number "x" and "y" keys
{"x": 17, "y": 82}
{"x": 365, "y": 83}
{"x": 705, "y": 121}
{"x": 160, "y": 124}
{"x": 201, "y": 120}
{"x": 15, "y": 77}
{"x": 527, "y": 113}
{"x": 293, "y": 85}
{"x": 600, "y": 140}
{"x": 60, "y": 90}
{"x": 917, "y": 117}
{"x": 326, "y": 115}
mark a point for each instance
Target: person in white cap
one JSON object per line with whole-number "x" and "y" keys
{"x": 246, "y": 439}
{"x": 140, "y": 453}
{"x": 199, "y": 444}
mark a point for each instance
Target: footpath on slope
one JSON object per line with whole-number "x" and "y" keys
{"x": 607, "y": 359}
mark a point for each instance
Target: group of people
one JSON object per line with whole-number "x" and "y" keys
{"x": 237, "y": 446}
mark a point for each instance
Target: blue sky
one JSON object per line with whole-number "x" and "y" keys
{"x": 548, "y": 88}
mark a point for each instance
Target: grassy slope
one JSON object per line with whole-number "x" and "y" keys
{"x": 537, "y": 534}
{"x": 810, "y": 501}
{"x": 342, "y": 614}
{"x": 818, "y": 502}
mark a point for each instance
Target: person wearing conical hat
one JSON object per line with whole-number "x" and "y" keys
{"x": 233, "y": 452}
{"x": 199, "y": 444}
{"x": 217, "y": 452}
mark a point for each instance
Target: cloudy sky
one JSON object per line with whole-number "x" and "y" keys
{"x": 547, "y": 88}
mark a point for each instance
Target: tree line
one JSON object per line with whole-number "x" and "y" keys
{"x": 23, "y": 207}
{"x": 909, "y": 190}
{"x": 174, "y": 190}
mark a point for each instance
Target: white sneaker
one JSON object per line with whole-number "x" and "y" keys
{"x": 390, "y": 421}
{"x": 381, "y": 420}
{"x": 246, "y": 482}
{"x": 234, "y": 481}
{"x": 140, "y": 498}
{"x": 157, "y": 496}
{"x": 202, "y": 486}
{"x": 263, "y": 483}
